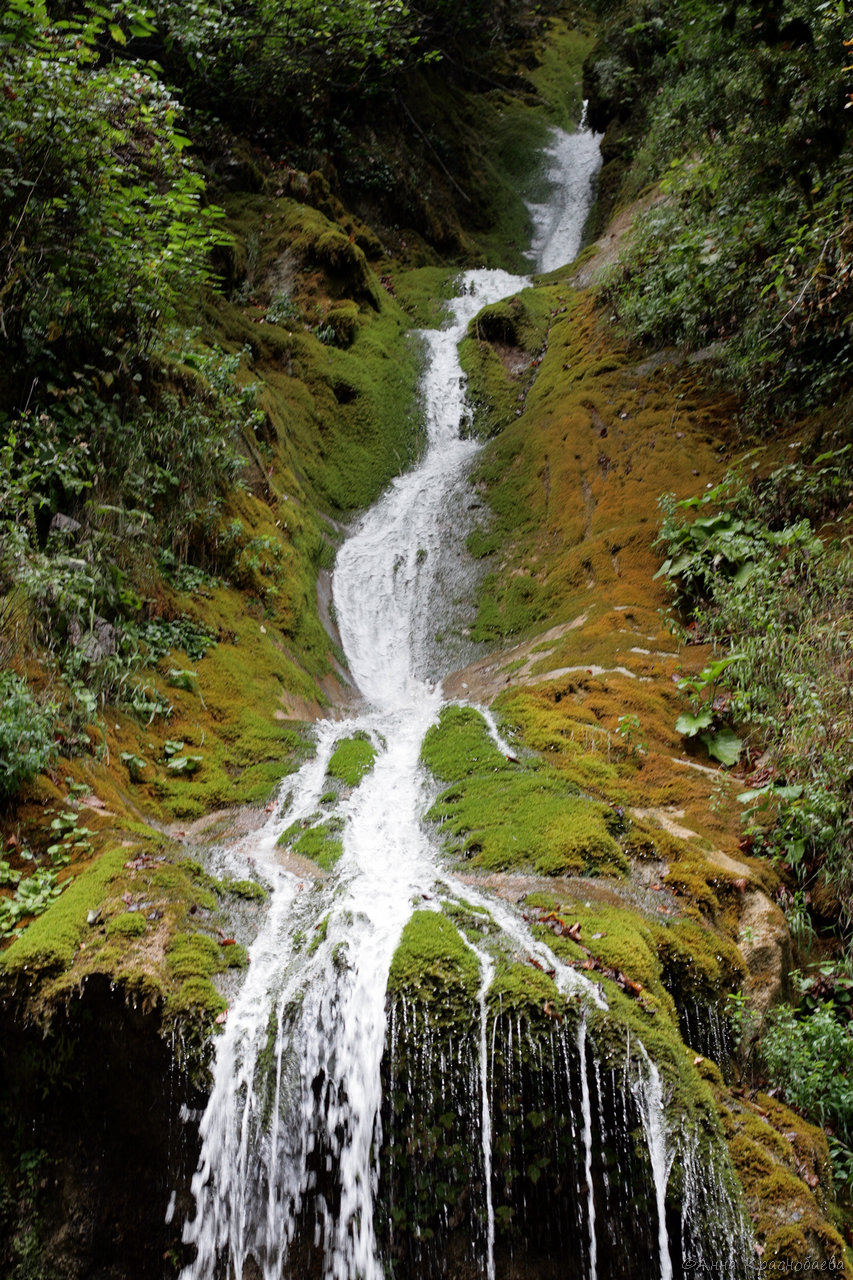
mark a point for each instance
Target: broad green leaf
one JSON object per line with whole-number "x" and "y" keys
{"x": 689, "y": 724}
{"x": 771, "y": 792}
{"x": 724, "y": 745}
{"x": 795, "y": 851}
{"x": 744, "y": 573}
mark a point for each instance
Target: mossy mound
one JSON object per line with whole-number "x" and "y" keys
{"x": 501, "y": 814}
{"x": 337, "y": 370}
{"x": 318, "y": 841}
{"x": 500, "y": 355}
{"x": 433, "y": 963}
{"x": 783, "y": 1165}
{"x": 351, "y": 759}
{"x": 148, "y": 920}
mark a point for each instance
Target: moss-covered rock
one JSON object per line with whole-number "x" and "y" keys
{"x": 319, "y": 841}
{"x": 351, "y": 759}
{"x": 433, "y": 963}
{"x": 503, "y": 814}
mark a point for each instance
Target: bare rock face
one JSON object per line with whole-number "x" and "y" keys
{"x": 765, "y": 944}
{"x": 94, "y": 643}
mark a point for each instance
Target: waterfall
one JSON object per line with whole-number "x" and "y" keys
{"x": 307, "y": 1165}
{"x": 648, "y": 1090}
{"x": 587, "y": 1146}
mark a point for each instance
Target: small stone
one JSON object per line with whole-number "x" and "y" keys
{"x": 64, "y": 524}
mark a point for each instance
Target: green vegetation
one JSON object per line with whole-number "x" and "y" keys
{"x": 499, "y": 815}
{"x": 319, "y": 841}
{"x": 432, "y": 963}
{"x": 738, "y": 114}
{"x": 26, "y": 734}
{"x": 499, "y": 357}
{"x": 808, "y": 1057}
{"x": 775, "y": 599}
{"x": 351, "y": 759}
{"x": 207, "y": 370}
{"x": 731, "y": 131}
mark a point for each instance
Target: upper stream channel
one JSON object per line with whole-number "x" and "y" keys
{"x": 291, "y": 1180}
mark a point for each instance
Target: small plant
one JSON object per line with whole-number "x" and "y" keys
{"x": 136, "y": 765}
{"x": 745, "y": 1026}
{"x": 33, "y": 895}
{"x": 70, "y": 837}
{"x": 161, "y": 637}
{"x": 282, "y": 308}
{"x": 185, "y": 764}
{"x": 720, "y": 741}
{"x": 630, "y": 731}
{"x": 26, "y": 734}
{"x": 147, "y": 702}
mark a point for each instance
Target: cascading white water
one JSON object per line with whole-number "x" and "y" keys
{"x": 487, "y": 973}
{"x": 294, "y": 1117}
{"x": 586, "y": 1106}
{"x": 648, "y": 1092}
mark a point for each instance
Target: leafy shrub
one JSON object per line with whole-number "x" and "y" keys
{"x": 808, "y": 1057}
{"x": 758, "y": 581}
{"x": 102, "y": 222}
{"x": 750, "y": 248}
{"x": 26, "y": 734}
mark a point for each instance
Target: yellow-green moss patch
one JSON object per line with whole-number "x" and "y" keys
{"x": 433, "y": 963}
{"x": 351, "y": 759}
{"x": 501, "y": 814}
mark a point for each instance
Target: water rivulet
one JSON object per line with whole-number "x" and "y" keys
{"x": 451, "y": 1123}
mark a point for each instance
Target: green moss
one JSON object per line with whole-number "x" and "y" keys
{"x": 52, "y": 939}
{"x": 198, "y": 955}
{"x": 432, "y": 963}
{"x": 423, "y": 293}
{"x": 197, "y": 997}
{"x": 320, "y": 842}
{"x": 131, "y": 924}
{"x": 352, "y": 759}
{"x": 510, "y": 607}
{"x": 521, "y": 988}
{"x": 697, "y": 963}
{"x": 481, "y": 543}
{"x": 248, "y": 889}
{"x": 343, "y": 415}
{"x": 319, "y": 935}
{"x": 501, "y": 815}
{"x": 557, "y": 77}
{"x": 459, "y": 745}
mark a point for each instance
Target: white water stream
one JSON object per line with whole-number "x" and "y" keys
{"x": 292, "y": 1130}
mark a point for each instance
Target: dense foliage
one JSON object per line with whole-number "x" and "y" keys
{"x": 808, "y": 1054}
{"x": 308, "y": 63}
{"x": 102, "y": 214}
{"x": 749, "y": 570}
{"x": 739, "y": 116}
{"x": 118, "y": 432}
{"x": 761, "y": 585}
